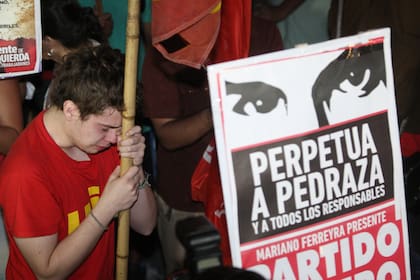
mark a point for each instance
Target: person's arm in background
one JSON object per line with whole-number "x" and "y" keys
{"x": 106, "y": 21}
{"x": 178, "y": 133}
{"x": 11, "y": 116}
{"x": 162, "y": 100}
{"x": 275, "y": 13}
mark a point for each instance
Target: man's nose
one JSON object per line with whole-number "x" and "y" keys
{"x": 111, "y": 136}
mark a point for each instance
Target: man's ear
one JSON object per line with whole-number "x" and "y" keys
{"x": 70, "y": 110}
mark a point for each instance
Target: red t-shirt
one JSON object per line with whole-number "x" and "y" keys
{"x": 43, "y": 191}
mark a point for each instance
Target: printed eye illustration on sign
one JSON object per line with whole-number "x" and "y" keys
{"x": 261, "y": 96}
{"x": 352, "y": 77}
{"x": 357, "y": 74}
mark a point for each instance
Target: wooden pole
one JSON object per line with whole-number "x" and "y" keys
{"x": 130, "y": 82}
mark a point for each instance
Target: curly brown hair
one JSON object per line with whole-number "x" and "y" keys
{"x": 92, "y": 78}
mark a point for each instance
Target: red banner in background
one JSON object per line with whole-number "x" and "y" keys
{"x": 20, "y": 38}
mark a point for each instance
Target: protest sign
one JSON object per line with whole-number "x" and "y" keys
{"x": 310, "y": 162}
{"x": 20, "y": 38}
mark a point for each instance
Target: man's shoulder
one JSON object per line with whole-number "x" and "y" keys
{"x": 23, "y": 158}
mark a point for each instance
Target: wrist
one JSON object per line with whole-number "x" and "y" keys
{"x": 105, "y": 211}
{"x": 98, "y": 222}
{"x": 145, "y": 182}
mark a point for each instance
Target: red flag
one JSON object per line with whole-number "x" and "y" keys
{"x": 234, "y": 36}
{"x": 185, "y": 31}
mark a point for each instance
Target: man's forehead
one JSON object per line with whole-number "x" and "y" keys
{"x": 110, "y": 117}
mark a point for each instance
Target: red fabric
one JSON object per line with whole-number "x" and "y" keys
{"x": 233, "y": 42}
{"x": 206, "y": 187}
{"x": 235, "y": 32}
{"x": 410, "y": 144}
{"x": 196, "y": 22}
{"x": 43, "y": 191}
{"x": 200, "y": 23}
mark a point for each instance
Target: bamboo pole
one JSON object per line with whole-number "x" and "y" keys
{"x": 130, "y": 81}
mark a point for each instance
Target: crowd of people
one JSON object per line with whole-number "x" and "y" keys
{"x": 60, "y": 181}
